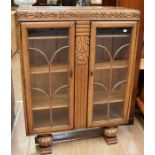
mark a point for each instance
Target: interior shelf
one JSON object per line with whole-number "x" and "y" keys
{"x": 113, "y": 36}
{"x": 47, "y": 37}
{"x": 41, "y": 103}
{"x": 115, "y": 64}
{"x": 45, "y": 69}
{"x": 99, "y": 98}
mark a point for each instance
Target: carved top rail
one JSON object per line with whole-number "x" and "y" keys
{"x": 50, "y": 13}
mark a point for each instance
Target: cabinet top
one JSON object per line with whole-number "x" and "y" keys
{"x": 50, "y": 13}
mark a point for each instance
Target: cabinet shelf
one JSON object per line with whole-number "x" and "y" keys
{"x": 115, "y": 64}
{"x": 42, "y": 103}
{"x": 45, "y": 69}
{"x": 113, "y": 36}
{"x": 47, "y": 37}
{"x": 100, "y": 99}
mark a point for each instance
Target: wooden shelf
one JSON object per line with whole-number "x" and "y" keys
{"x": 45, "y": 69}
{"x": 113, "y": 36}
{"x": 47, "y": 37}
{"x": 115, "y": 64}
{"x": 42, "y": 103}
{"x": 99, "y": 98}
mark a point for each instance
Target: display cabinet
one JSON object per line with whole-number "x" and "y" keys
{"x": 78, "y": 67}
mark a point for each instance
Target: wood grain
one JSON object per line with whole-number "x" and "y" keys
{"x": 81, "y": 72}
{"x": 76, "y": 13}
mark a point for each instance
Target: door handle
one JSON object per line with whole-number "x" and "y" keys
{"x": 91, "y": 73}
{"x": 71, "y": 73}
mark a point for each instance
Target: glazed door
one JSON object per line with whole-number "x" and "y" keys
{"x": 48, "y": 64}
{"x": 112, "y": 58}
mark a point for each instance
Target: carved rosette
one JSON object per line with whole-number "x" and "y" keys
{"x": 110, "y": 131}
{"x": 82, "y": 50}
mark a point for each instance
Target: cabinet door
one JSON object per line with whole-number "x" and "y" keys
{"x": 112, "y": 60}
{"x": 48, "y": 65}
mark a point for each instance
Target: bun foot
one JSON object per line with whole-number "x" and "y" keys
{"x": 110, "y": 135}
{"x": 45, "y": 143}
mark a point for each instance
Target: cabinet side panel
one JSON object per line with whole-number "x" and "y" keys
{"x": 81, "y": 72}
{"x": 26, "y": 78}
{"x": 135, "y": 74}
{"x": 19, "y": 42}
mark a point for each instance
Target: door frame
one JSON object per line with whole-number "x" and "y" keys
{"x": 130, "y": 79}
{"x": 26, "y": 74}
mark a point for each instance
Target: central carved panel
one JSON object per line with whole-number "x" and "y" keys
{"x": 82, "y": 42}
{"x": 82, "y": 49}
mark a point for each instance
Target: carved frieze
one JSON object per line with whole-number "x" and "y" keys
{"x": 75, "y": 14}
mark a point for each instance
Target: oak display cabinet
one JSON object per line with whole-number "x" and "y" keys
{"x": 79, "y": 67}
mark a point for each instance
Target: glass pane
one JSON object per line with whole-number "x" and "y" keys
{"x": 49, "y": 61}
{"x": 60, "y": 117}
{"x": 41, "y": 118}
{"x": 100, "y": 112}
{"x": 110, "y": 74}
{"x": 116, "y": 110}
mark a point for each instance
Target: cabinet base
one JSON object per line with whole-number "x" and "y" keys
{"x": 47, "y": 150}
{"x": 45, "y": 141}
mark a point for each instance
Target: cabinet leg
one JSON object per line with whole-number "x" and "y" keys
{"x": 110, "y": 134}
{"x": 45, "y": 143}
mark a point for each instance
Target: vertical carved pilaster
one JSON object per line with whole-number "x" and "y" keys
{"x": 81, "y": 72}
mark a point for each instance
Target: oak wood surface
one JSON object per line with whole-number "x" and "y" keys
{"x": 80, "y": 71}
{"x": 76, "y": 13}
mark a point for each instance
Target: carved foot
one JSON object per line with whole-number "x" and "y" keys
{"x": 45, "y": 143}
{"x": 110, "y": 135}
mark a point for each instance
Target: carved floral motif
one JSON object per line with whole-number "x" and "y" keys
{"x": 82, "y": 49}
{"x": 75, "y": 14}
